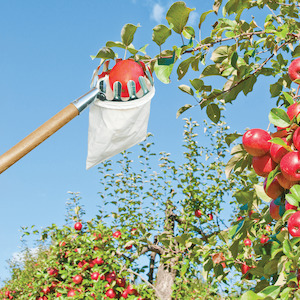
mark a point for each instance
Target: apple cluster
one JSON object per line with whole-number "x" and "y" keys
{"x": 276, "y": 157}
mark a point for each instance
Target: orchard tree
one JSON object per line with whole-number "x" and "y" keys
{"x": 159, "y": 234}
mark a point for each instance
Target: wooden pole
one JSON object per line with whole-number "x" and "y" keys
{"x": 38, "y": 136}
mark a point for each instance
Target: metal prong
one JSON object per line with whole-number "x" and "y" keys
{"x": 149, "y": 76}
{"x": 102, "y": 86}
{"x": 143, "y": 85}
{"x": 117, "y": 88}
{"x": 131, "y": 90}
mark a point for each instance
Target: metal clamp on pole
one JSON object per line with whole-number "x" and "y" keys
{"x": 47, "y": 129}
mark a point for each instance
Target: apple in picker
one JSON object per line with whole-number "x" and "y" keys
{"x": 263, "y": 165}
{"x": 274, "y": 189}
{"x": 123, "y": 71}
{"x": 274, "y": 210}
{"x": 294, "y": 224}
{"x": 255, "y": 142}
{"x": 294, "y": 69}
{"x": 290, "y": 166}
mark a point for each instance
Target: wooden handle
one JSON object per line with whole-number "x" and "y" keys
{"x": 37, "y": 137}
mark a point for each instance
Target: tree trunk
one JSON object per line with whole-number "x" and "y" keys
{"x": 166, "y": 274}
{"x": 165, "y": 278}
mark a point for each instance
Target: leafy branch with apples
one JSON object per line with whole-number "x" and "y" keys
{"x": 161, "y": 233}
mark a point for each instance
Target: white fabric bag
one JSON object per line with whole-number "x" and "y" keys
{"x": 116, "y": 126}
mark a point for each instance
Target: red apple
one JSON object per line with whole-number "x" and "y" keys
{"x": 71, "y": 293}
{"x": 296, "y": 138}
{"x": 46, "y": 290}
{"x": 111, "y": 276}
{"x": 131, "y": 290}
{"x": 274, "y": 189}
{"x": 274, "y": 210}
{"x": 284, "y": 182}
{"x": 264, "y": 239}
{"x": 95, "y": 276}
{"x": 294, "y": 224}
{"x": 77, "y": 279}
{"x": 255, "y": 142}
{"x": 124, "y": 294}
{"x": 290, "y": 166}
{"x": 198, "y": 213}
{"x": 290, "y": 206}
{"x": 247, "y": 242}
{"x": 293, "y": 110}
{"x": 263, "y": 165}
{"x": 121, "y": 282}
{"x": 123, "y": 71}
{"x": 210, "y": 217}
{"x": 110, "y": 293}
{"x": 245, "y": 268}
{"x": 98, "y": 261}
{"x": 117, "y": 234}
{"x": 294, "y": 69}
{"x": 78, "y": 226}
{"x": 278, "y": 151}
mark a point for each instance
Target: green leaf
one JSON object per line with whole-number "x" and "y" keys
{"x": 234, "y": 59}
{"x": 287, "y": 248}
{"x": 291, "y": 199}
{"x": 197, "y": 83}
{"x": 279, "y": 117}
{"x": 229, "y": 138}
{"x": 178, "y": 15}
{"x": 220, "y": 54}
{"x": 271, "y": 176}
{"x": 288, "y": 98}
{"x": 250, "y": 295}
{"x": 280, "y": 142}
{"x": 271, "y": 291}
{"x": 271, "y": 267}
{"x": 127, "y": 33}
{"x": 295, "y": 190}
{"x": 185, "y": 88}
{"x": 160, "y": 34}
{"x": 210, "y": 70}
{"x": 203, "y": 17}
{"x": 163, "y": 72}
{"x": 183, "y": 67}
{"x": 105, "y": 53}
{"x": 188, "y": 32}
{"x": 183, "y": 109}
{"x": 260, "y": 192}
{"x": 213, "y": 112}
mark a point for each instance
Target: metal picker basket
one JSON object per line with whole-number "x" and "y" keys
{"x": 118, "y": 122}
{"x": 100, "y": 94}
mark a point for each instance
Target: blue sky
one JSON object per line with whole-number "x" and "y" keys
{"x": 44, "y": 65}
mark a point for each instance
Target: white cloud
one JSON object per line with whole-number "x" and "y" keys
{"x": 18, "y": 257}
{"x": 157, "y": 13}
{"x": 193, "y": 18}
